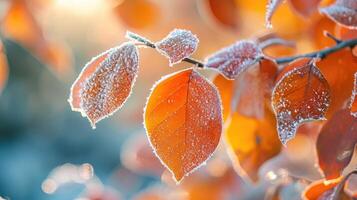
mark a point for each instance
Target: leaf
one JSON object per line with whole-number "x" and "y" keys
{"x": 305, "y": 7}
{"x": 329, "y": 190}
{"x": 225, "y": 88}
{"x": 336, "y": 143}
{"x": 20, "y": 25}
{"x": 105, "y": 83}
{"x": 233, "y": 60}
{"x": 271, "y": 8}
{"x": 252, "y": 142}
{"x": 249, "y": 93}
{"x": 318, "y": 27}
{"x": 343, "y": 12}
{"x": 221, "y": 12}
{"x": 138, "y": 14}
{"x": 183, "y": 119}
{"x": 353, "y": 105}
{"x": 302, "y": 94}
{"x": 4, "y": 70}
{"x": 179, "y": 44}
{"x": 338, "y": 69}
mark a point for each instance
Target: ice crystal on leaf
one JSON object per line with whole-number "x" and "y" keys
{"x": 177, "y": 45}
{"x": 183, "y": 120}
{"x": 302, "y": 94}
{"x": 105, "y": 83}
{"x": 271, "y": 8}
{"x": 343, "y": 12}
{"x": 354, "y": 98}
{"x": 233, "y": 60}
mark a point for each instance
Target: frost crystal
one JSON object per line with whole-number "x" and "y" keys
{"x": 353, "y": 104}
{"x": 179, "y": 44}
{"x": 271, "y": 8}
{"x": 301, "y": 95}
{"x": 234, "y": 59}
{"x": 343, "y": 12}
{"x": 109, "y": 86}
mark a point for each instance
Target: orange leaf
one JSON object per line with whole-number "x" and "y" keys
{"x": 105, "y": 83}
{"x": 336, "y": 143}
{"x": 302, "y": 94}
{"x": 137, "y": 14}
{"x": 20, "y": 25}
{"x": 225, "y": 88}
{"x": 183, "y": 119}
{"x": 252, "y": 142}
{"x": 315, "y": 190}
{"x": 343, "y": 12}
{"x": 234, "y": 59}
{"x": 4, "y": 71}
{"x": 338, "y": 69}
{"x": 305, "y": 7}
{"x": 222, "y": 12}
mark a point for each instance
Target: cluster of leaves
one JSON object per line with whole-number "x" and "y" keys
{"x": 183, "y": 116}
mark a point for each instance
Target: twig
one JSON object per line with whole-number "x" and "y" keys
{"x": 138, "y": 38}
{"x": 329, "y": 35}
{"x": 322, "y": 53}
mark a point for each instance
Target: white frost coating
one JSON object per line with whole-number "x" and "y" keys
{"x": 177, "y": 45}
{"x": 107, "y": 89}
{"x": 216, "y": 93}
{"x": 353, "y": 97}
{"x": 271, "y": 8}
{"x": 234, "y": 59}
{"x": 343, "y": 12}
{"x": 290, "y": 115}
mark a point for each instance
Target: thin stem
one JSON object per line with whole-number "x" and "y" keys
{"x": 148, "y": 43}
{"x": 329, "y": 35}
{"x": 322, "y": 53}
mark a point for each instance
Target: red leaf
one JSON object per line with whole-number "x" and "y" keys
{"x": 179, "y": 44}
{"x": 233, "y": 60}
{"x": 183, "y": 119}
{"x": 336, "y": 143}
{"x": 271, "y": 8}
{"x": 343, "y": 12}
{"x": 302, "y": 94}
{"x": 105, "y": 83}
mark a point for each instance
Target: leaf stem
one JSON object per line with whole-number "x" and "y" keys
{"x": 148, "y": 43}
{"x": 322, "y": 53}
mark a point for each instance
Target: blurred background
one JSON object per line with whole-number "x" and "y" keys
{"x": 49, "y": 152}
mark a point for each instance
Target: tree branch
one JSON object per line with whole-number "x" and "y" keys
{"x": 148, "y": 43}
{"x": 322, "y": 53}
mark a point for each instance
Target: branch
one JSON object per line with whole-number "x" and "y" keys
{"x": 148, "y": 43}
{"x": 322, "y": 53}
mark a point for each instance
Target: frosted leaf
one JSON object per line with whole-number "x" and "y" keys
{"x": 301, "y": 95}
{"x": 271, "y": 8}
{"x": 179, "y": 44}
{"x": 353, "y": 105}
{"x": 105, "y": 83}
{"x": 183, "y": 120}
{"x": 343, "y": 12}
{"x": 233, "y": 60}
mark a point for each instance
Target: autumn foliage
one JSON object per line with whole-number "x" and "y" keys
{"x": 262, "y": 93}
